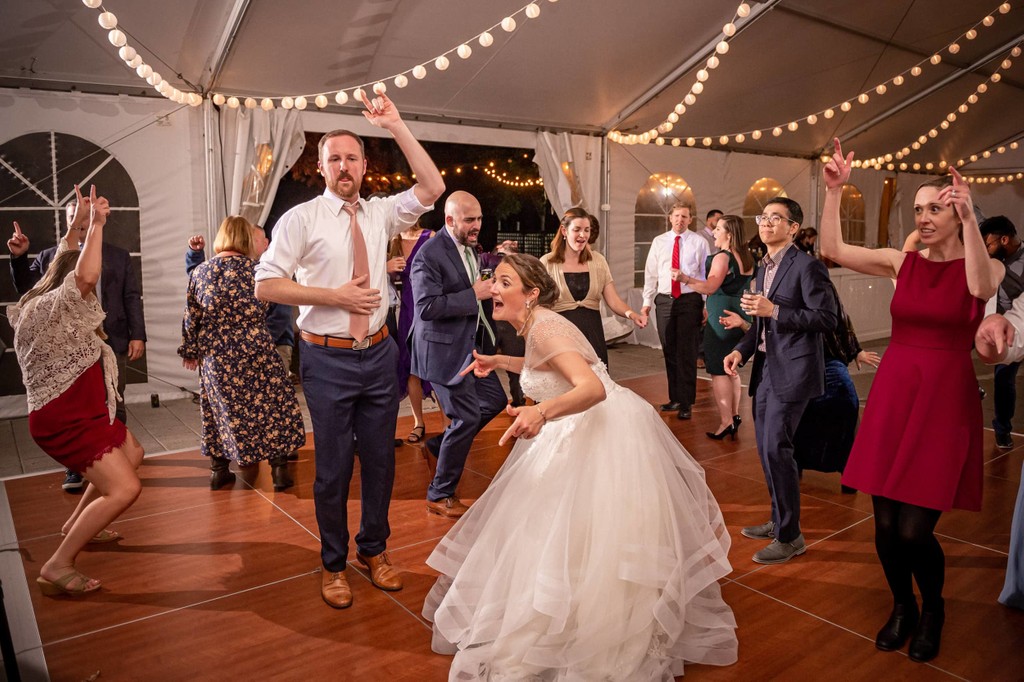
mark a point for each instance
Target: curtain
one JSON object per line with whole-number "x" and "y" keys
{"x": 570, "y": 166}
{"x": 256, "y": 149}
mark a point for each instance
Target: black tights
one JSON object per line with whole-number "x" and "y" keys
{"x": 906, "y": 545}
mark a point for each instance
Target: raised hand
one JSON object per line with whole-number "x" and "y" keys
{"x": 197, "y": 242}
{"x": 18, "y": 243}
{"x": 99, "y": 208}
{"x": 958, "y": 195}
{"x": 81, "y": 214}
{"x": 837, "y": 171}
{"x": 380, "y": 111}
{"x": 483, "y": 289}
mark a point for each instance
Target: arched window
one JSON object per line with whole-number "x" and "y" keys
{"x": 758, "y": 196}
{"x": 38, "y": 172}
{"x": 653, "y": 202}
{"x": 851, "y": 215}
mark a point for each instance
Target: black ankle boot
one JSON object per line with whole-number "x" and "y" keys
{"x": 279, "y": 474}
{"x": 925, "y": 644}
{"x": 220, "y": 475}
{"x": 898, "y": 628}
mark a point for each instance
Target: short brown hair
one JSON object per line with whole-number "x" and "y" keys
{"x": 235, "y": 234}
{"x": 340, "y": 132}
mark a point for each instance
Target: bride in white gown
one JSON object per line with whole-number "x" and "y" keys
{"x": 595, "y": 552}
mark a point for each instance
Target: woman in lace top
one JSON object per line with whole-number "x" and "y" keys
{"x": 544, "y": 579}
{"x": 70, "y": 379}
{"x": 584, "y": 280}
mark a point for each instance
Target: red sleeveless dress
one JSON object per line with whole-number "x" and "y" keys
{"x": 921, "y": 438}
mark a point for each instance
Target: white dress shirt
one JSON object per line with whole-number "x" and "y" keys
{"x": 472, "y": 275}
{"x": 313, "y": 242}
{"x": 693, "y": 253}
{"x": 1015, "y": 316}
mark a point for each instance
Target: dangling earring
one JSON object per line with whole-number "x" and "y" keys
{"x": 529, "y": 314}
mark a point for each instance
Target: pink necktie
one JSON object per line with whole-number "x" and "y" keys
{"x": 359, "y": 324}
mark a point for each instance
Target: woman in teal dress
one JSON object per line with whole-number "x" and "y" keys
{"x": 729, "y": 271}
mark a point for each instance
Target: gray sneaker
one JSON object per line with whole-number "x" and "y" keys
{"x": 781, "y": 552}
{"x": 766, "y": 531}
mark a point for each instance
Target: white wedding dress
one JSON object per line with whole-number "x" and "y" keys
{"x": 595, "y": 552}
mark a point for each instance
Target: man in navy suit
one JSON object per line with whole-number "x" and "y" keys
{"x": 794, "y": 306}
{"x": 452, "y": 319}
{"x": 120, "y": 298}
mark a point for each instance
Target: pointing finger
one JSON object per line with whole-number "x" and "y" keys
{"x": 17, "y": 229}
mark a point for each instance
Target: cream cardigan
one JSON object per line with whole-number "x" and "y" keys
{"x": 600, "y": 277}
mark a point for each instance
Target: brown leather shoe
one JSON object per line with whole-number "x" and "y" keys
{"x": 335, "y": 590}
{"x": 382, "y": 573}
{"x": 449, "y": 507}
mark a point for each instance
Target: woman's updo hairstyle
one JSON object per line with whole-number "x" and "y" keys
{"x": 534, "y": 276}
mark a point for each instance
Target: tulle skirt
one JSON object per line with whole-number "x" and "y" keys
{"x": 593, "y": 555}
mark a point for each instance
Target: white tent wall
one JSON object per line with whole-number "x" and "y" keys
{"x": 165, "y": 160}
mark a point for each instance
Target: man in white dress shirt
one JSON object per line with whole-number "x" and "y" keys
{"x": 676, "y": 253}
{"x": 336, "y": 247}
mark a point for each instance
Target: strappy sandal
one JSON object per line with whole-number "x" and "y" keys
{"x": 417, "y": 433}
{"x": 103, "y": 537}
{"x": 54, "y": 588}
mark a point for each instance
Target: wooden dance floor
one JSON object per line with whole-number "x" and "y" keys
{"x": 225, "y": 585}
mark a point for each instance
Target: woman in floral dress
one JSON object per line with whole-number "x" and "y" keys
{"x": 248, "y": 405}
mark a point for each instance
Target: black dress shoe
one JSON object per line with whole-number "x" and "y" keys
{"x": 671, "y": 407}
{"x": 729, "y": 430}
{"x": 684, "y": 413}
{"x": 924, "y": 646}
{"x": 737, "y": 420}
{"x": 897, "y": 629}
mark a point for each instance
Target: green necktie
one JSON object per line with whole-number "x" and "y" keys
{"x": 480, "y": 317}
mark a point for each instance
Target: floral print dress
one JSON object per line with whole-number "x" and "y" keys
{"x": 248, "y": 406}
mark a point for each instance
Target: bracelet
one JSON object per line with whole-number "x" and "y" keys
{"x": 542, "y": 416}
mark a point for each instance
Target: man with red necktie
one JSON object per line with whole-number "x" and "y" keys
{"x": 679, "y": 308}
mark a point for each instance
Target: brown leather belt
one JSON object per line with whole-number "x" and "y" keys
{"x": 342, "y": 342}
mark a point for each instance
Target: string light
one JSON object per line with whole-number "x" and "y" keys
{"x": 861, "y": 98}
{"x": 130, "y": 56}
{"x": 441, "y": 62}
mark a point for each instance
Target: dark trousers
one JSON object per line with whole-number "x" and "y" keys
{"x": 120, "y": 412}
{"x": 679, "y": 331}
{"x": 352, "y": 394}
{"x": 1005, "y": 396}
{"x": 775, "y": 423}
{"x": 470, "y": 405}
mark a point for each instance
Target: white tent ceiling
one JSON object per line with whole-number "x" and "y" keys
{"x": 583, "y": 65}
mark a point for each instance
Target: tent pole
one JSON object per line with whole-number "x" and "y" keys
{"x": 606, "y": 185}
{"x": 227, "y": 40}
{"x": 211, "y": 169}
{"x": 695, "y": 59}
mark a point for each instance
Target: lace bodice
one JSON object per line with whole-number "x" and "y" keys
{"x": 552, "y": 335}
{"x": 55, "y": 340}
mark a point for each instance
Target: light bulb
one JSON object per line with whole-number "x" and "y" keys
{"x": 233, "y": 102}
{"x": 707, "y": 141}
{"x": 933, "y": 133}
{"x": 756, "y": 135}
{"x": 729, "y": 29}
{"x": 107, "y": 20}
{"x": 863, "y": 98}
{"x": 464, "y": 51}
{"x": 697, "y": 88}
{"x": 219, "y": 99}
{"x": 673, "y": 117}
{"x": 533, "y": 10}
{"x": 1003, "y": 8}
{"x": 897, "y": 81}
{"x": 829, "y": 113}
{"x": 702, "y": 75}
{"x": 983, "y": 88}
{"x": 508, "y": 24}
{"x": 713, "y": 62}
{"x": 793, "y": 125}
{"x": 135, "y": 61}
{"x": 740, "y": 138}
{"x": 144, "y": 70}
{"x": 250, "y": 103}
{"x": 441, "y": 63}
{"x": 401, "y": 81}
{"x": 880, "y": 88}
{"x": 954, "y": 48}
{"x": 358, "y": 95}
{"x": 419, "y": 72}
{"x": 845, "y": 106}
{"x": 724, "y": 139}
{"x": 154, "y": 78}
{"x": 267, "y": 104}
{"x": 320, "y": 101}
{"x": 689, "y": 100}
{"x": 944, "y": 125}
{"x": 916, "y": 71}
{"x": 812, "y": 119}
{"x": 301, "y": 103}
{"x": 680, "y": 109}
{"x": 996, "y": 77}
{"x": 486, "y": 39}
{"x": 340, "y": 98}
{"x": 989, "y": 20}
{"x": 127, "y": 53}
{"x": 676, "y": 141}
{"x": 776, "y": 131}
{"x": 935, "y": 59}
{"x": 971, "y": 35}
{"x": 690, "y": 142}
{"x": 722, "y": 47}
{"x": 93, "y": 4}
{"x": 379, "y": 88}
{"x": 117, "y": 38}
{"x": 743, "y": 10}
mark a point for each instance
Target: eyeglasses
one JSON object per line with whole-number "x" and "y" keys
{"x": 772, "y": 219}
{"x": 990, "y": 244}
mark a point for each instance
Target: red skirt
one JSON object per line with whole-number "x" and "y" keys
{"x": 74, "y": 427}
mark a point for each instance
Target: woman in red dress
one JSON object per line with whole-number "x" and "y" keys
{"x": 918, "y": 451}
{"x": 70, "y": 380}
